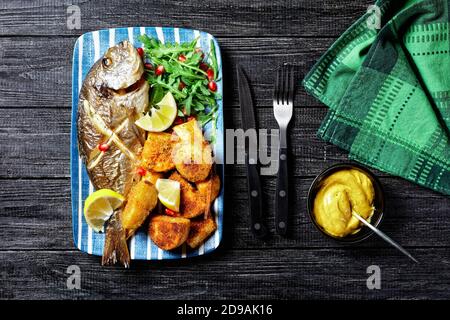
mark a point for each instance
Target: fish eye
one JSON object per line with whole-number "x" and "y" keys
{"x": 106, "y": 62}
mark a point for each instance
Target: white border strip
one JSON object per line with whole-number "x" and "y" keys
{"x": 176, "y": 35}
{"x": 160, "y": 34}
{"x": 112, "y": 37}
{"x": 216, "y": 215}
{"x": 149, "y": 247}
{"x": 197, "y": 36}
{"x": 130, "y": 35}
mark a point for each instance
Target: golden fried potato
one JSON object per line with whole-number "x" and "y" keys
{"x": 168, "y": 232}
{"x": 209, "y": 188}
{"x": 189, "y": 132}
{"x": 141, "y": 199}
{"x": 193, "y": 162}
{"x": 200, "y": 230}
{"x": 157, "y": 152}
{"x": 192, "y": 203}
{"x": 192, "y": 153}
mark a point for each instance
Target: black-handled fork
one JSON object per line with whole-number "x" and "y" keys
{"x": 283, "y": 100}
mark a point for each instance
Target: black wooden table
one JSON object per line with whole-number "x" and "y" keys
{"x": 36, "y": 244}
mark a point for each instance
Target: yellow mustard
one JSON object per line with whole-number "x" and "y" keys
{"x": 339, "y": 194}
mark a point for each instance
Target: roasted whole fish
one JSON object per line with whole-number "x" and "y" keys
{"x": 113, "y": 96}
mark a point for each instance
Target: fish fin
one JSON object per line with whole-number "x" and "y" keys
{"x": 116, "y": 247}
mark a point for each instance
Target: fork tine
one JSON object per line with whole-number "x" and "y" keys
{"x": 286, "y": 84}
{"x": 283, "y": 75}
{"x": 276, "y": 91}
{"x": 291, "y": 85}
{"x": 281, "y": 93}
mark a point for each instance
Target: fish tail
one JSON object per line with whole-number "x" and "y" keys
{"x": 116, "y": 248}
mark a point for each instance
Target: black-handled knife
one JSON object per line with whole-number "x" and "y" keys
{"x": 257, "y": 225}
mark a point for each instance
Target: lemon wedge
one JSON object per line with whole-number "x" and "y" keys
{"x": 160, "y": 118}
{"x": 99, "y": 207}
{"x": 169, "y": 193}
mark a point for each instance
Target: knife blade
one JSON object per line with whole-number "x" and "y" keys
{"x": 257, "y": 225}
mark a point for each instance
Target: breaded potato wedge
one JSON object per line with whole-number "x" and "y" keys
{"x": 192, "y": 153}
{"x": 189, "y": 132}
{"x": 192, "y": 203}
{"x": 141, "y": 200}
{"x": 193, "y": 162}
{"x": 200, "y": 230}
{"x": 157, "y": 152}
{"x": 168, "y": 232}
{"x": 209, "y": 188}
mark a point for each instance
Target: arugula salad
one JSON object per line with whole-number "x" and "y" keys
{"x": 187, "y": 73}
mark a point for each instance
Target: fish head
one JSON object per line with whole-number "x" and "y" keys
{"x": 120, "y": 67}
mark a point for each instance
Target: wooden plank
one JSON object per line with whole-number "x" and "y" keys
{"x": 40, "y": 76}
{"x": 35, "y": 221}
{"x": 36, "y": 143}
{"x": 229, "y": 274}
{"x": 223, "y": 18}
{"x": 36, "y": 214}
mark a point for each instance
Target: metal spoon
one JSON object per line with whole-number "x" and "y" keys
{"x": 383, "y": 236}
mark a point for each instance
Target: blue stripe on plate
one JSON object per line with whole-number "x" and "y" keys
{"x": 184, "y": 35}
{"x": 121, "y": 34}
{"x": 86, "y": 52}
{"x": 89, "y": 58}
{"x": 169, "y": 35}
{"x": 74, "y": 147}
{"x": 219, "y": 147}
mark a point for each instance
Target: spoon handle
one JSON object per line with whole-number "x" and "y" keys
{"x": 385, "y": 237}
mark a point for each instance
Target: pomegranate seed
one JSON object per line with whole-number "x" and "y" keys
{"x": 210, "y": 74}
{"x": 198, "y": 50}
{"x": 182, "y": 85}
{"x": 159, "y": 70}
{"x": 182, "y": 58}
{"x": 141, "y": 52}
{"x": 212, "y": 86}
{"x": 103, "y": 147}
{"x": 171, "y": 212}
{"x": 141, "y": 171}
{"x": 203, "y": 66}
{"x": 178, "y": 120}
{"x": 148, "y": 66}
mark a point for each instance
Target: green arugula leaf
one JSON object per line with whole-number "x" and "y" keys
{"x": 193, "y": 97}
{"x": 213, "y": 57}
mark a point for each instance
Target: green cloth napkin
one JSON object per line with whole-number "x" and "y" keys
{"x": 388, "y": 91}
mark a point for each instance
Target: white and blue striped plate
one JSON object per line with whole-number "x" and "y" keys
{"x": 88, "y": 49}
